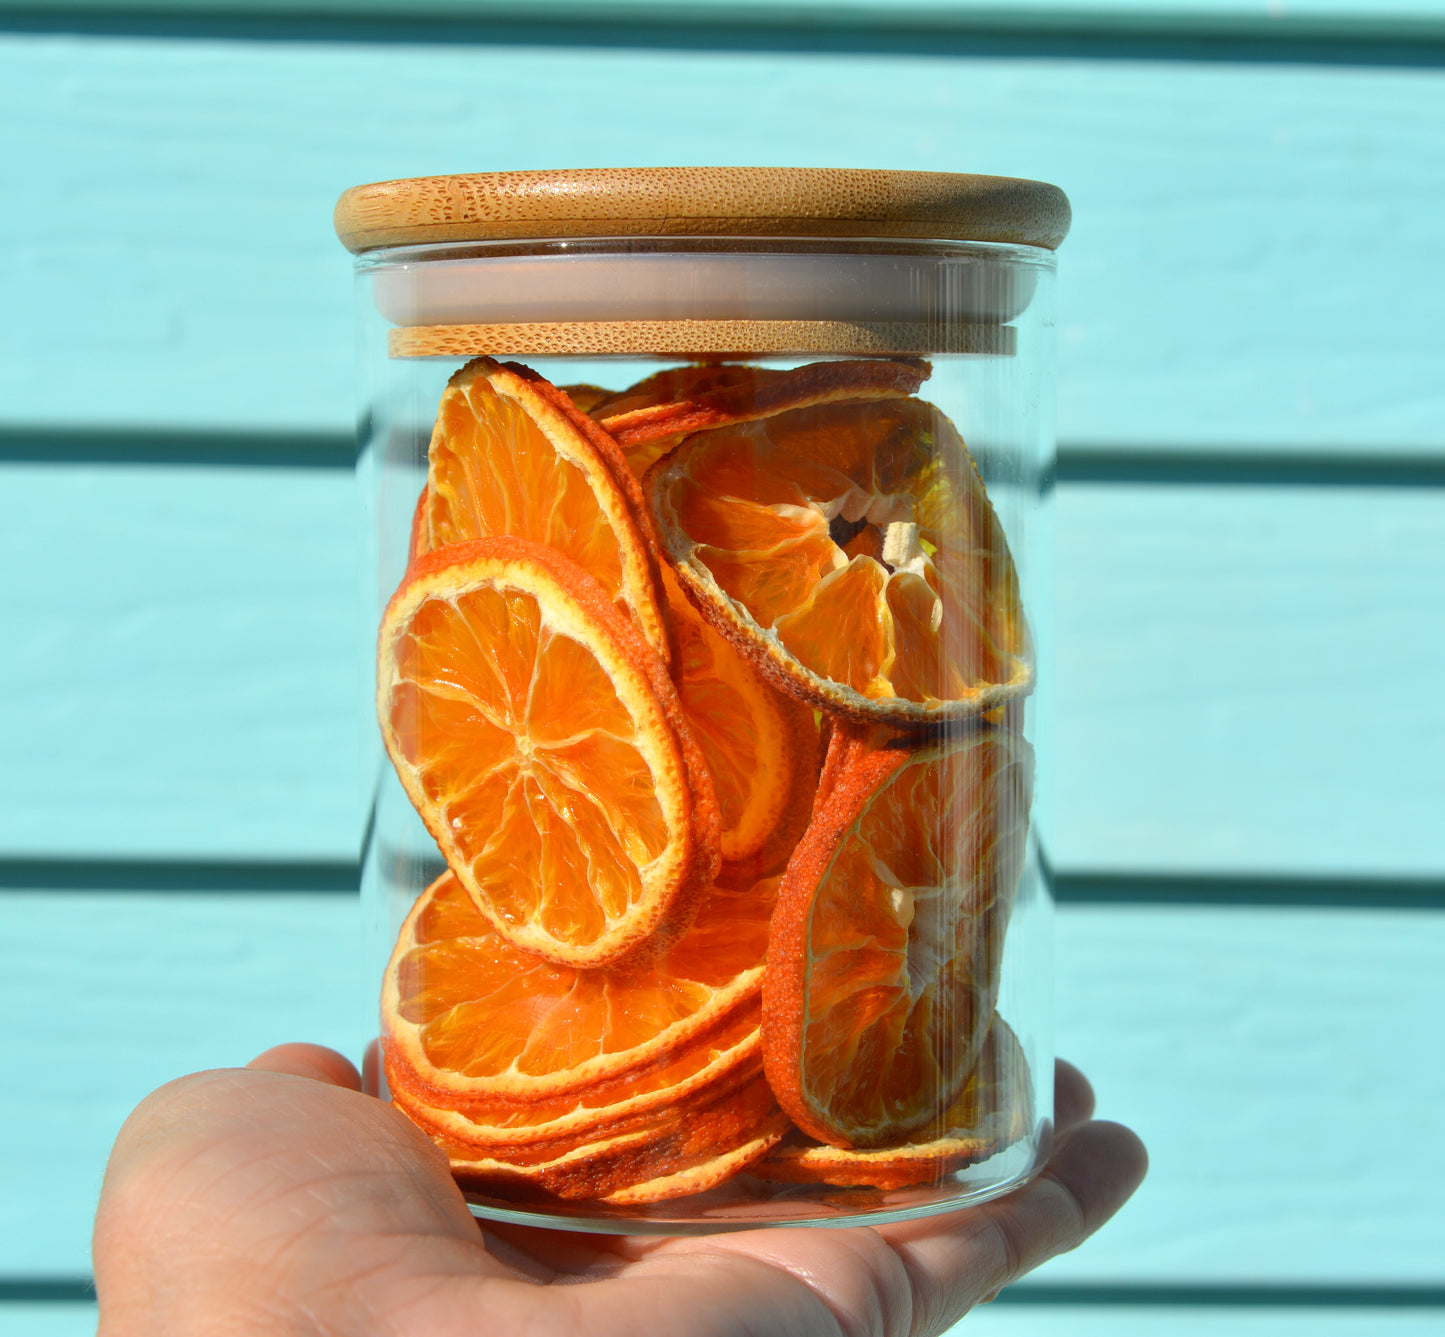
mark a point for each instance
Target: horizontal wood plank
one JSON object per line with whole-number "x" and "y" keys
{"x": 39, "y": 1318}
{"x": 1245, "y": 676}
{"x": 1274, "y": 1061}
{"x": 1025, "y": 1320}
{"x": 1244, "y": 679}
{"x": 184, "y": 674}
{"x": 121, "y": 992}
{"x": 1229, "y": 284}
{"x": 1300, "y": 20}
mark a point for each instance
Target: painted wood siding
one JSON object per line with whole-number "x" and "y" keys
{"x": 1251, "y": 515}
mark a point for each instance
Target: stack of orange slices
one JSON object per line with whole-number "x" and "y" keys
{"x": 675, "y": 940}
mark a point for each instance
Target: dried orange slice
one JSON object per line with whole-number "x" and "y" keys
{"x": 650, "y": 418}
{"x": 993, "y": 1111}
{"x": 510, "y": 455}
{"x": 850, "y": 550}
{"x": 585, "y": 397}
{"x": 542, "y": 743}
{"x": 665, "y": 388}
{"x": 837, "y": 742}
{"x": 692, "y": 399}
{"x": 674, "y": 1158}
{"x": 705, "y": 1174}
{"x": 883, "y": 954}
{"x": 690, "y": 1071}
{"x": 761, "y": 745}
{"x": 473, "y": 1019}
{"x": 672, "y": 385}
{"x": 417, "y": 534}
{"x": 679, "y": 1081}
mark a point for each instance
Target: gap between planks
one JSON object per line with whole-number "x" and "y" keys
{"x": 72, "y": 1290}
{"x": 1080, "y": 29}
{"x": 1077, "y": 462}
{"x": 1093, "y": 888}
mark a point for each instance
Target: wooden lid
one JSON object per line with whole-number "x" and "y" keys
{"x": 702, "y": 201}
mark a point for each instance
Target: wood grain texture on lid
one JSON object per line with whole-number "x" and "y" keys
{"x": 700, "y": 339}
{"x": 702, "y": 201}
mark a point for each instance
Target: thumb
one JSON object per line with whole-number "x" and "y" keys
{"x": 305, "y": 1060}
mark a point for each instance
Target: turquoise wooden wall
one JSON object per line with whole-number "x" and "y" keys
{"x": 1251, "y": 810}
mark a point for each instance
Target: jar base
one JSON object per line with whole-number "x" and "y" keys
{"x": 746, "y": 1203}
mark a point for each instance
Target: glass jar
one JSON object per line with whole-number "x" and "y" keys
{"x": 709, "y": 598}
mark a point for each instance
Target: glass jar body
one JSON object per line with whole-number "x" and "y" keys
{"x": 709, "y": 596}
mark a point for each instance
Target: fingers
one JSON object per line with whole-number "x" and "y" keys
{"x": 1101, "y": 1175}
{"x": 957, "y": 1262}
{"x": 903, "y": 1280}
{"x": 1088, "y": 1179}
{"x": 1091, "y": 1175}
{"x": 1073, "y": 1097}
{"x": 306, "y": 1060}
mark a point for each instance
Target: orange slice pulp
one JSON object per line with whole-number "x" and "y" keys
{"x": 883, "y": 954}
{"x": 542, "y": 744}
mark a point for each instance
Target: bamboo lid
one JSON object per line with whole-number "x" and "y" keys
{"x": 703, "y": 201}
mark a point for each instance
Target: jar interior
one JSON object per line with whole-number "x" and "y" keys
{"x": 998, "y": 405}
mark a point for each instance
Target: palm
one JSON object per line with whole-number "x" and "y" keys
{"x": 278, "y": 1199}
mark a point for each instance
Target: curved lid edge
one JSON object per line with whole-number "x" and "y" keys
{"x": 703, "y": 201}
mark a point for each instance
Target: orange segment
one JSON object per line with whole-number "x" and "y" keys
{"x": 884, "y": 951}
{"x": 510, "y": 455}
{"x": 849, "y": 549}
{"x": 993, "y": 1111}
{"x": 761, "y": 746}
{"x": 474, "y": 1020}
{"x": 542, "y": 743}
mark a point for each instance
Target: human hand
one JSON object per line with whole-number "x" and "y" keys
{"x": 278, "y": 1199}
